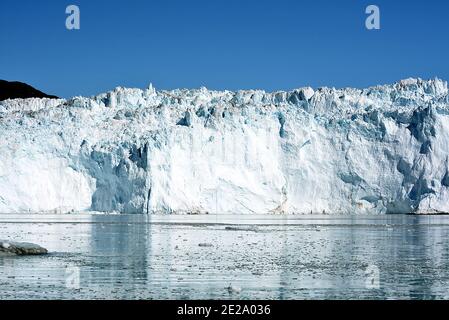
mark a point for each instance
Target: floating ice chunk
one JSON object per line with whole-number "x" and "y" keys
{"x": 234, "y": 290}
{"x": 20, "y": 248}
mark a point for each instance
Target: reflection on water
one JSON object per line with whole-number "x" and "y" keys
{"x": 199, "y": 257}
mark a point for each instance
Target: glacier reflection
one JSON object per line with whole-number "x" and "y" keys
{"x": 264, "y": 257}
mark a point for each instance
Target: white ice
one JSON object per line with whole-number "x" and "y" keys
{"x": 383, "y": 149}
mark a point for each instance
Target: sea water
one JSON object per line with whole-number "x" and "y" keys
{"x": 227, "y": 257}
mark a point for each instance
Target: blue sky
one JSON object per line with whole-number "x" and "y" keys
{"x": 232, "y": 44}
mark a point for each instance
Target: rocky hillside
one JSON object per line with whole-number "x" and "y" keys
{"x": 14, "y": 90}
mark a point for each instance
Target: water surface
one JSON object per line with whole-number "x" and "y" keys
{"x": 199, "y": 257}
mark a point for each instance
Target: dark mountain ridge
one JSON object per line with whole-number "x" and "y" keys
{"x": 14, "y": 90}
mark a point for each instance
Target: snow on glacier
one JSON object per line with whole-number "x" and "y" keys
{"x": 383, "y": 149}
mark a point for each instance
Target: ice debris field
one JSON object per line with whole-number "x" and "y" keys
{"x": 383, "y": 149}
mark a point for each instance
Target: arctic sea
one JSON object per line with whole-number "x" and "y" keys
{"x": 227, "y": 257}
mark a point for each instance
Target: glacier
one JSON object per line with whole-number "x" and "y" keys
{"x": 379, "y": 150}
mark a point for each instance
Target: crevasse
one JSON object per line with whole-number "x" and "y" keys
{"x": 378, "y": 150}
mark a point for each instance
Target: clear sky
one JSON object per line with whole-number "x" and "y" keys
{"x": 220, "y": 44}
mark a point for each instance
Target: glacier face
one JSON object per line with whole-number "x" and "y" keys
{"x": 383, "y": 149}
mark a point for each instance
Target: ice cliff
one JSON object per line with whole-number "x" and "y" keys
{"x": 383, "y": 149}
